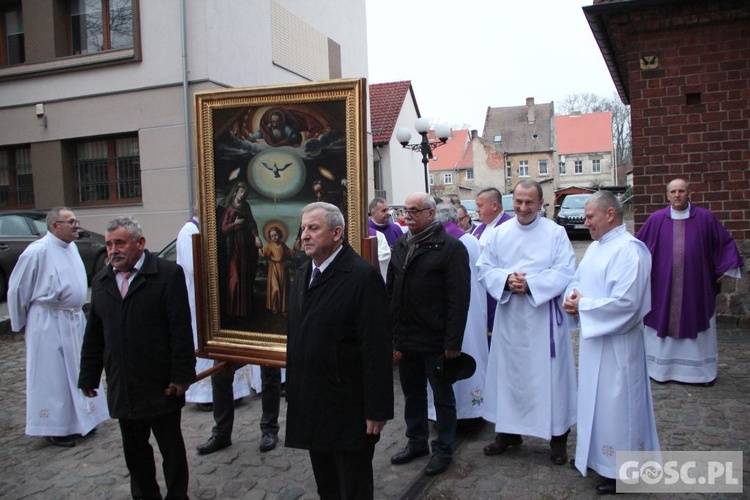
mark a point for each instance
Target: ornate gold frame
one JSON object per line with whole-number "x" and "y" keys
{"x": 247, "y": 345}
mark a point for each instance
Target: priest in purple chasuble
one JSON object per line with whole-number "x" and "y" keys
{"x": 692, "y": 254}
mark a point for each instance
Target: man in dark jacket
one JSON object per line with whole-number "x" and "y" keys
{"x": 429, "y": 289}
{"x": 339, "y": 385}
{"x": 139, "y": 332}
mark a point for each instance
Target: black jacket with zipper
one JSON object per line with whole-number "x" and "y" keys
{"x": 429, "y": 297}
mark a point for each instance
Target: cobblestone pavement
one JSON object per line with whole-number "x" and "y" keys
{"x": 688, "y": 418}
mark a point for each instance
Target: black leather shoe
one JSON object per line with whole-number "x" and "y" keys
{"x": 407, "y": 455}
{"x": 502, "y": 443}
{"x": 61, "y": 441}
{"x": 213, "y": 445}
{"x": 268, "y": 441}
{"x": 437, "y": 465}
{"x": 607, "y": 487}
{"x": 205, "y": 406}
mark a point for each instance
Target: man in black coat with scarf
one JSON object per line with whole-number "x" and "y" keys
{"x": 429, "y": 286}
{"x": 339, "y": 387}
{"x": 139, "y": 332}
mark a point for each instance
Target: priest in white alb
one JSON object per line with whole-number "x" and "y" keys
{"x": 469, "y": 392}
{"x": 526, "y": 265}
{"x": 46, "y": 293}
{"x": 610, "y": 295}
{"x": 201, "y": 392}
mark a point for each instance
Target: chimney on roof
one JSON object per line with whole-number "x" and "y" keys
{"x": 575, "y": 112}
{"x": 474, "y": 133}
{"x": 530, "y": 114}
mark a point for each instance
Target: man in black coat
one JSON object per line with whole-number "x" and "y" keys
{"x": 139, "y": 332}
{"x": 429, "y": 289}
{"x": 339, "y": 385}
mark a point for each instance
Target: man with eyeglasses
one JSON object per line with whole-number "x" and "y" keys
{"x": 464, "y": 219}
{"x": 46, "y": 294}
{"x": 429, "y": 286}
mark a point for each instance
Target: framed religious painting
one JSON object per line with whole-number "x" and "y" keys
{"x": 263, "y": 154}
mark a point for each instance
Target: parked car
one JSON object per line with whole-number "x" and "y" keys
{"x": 19, "y": 229}
{"x": 571, "y": 216}
{"x": 508, "y": 205}
{"x": 169, "y": 252}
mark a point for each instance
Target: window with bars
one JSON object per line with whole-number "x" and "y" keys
{"x": 99, "y": 25}
{"x": 16, "y": 181}
{"x": 12, "y": 48}
{"x": 108, "y": 171}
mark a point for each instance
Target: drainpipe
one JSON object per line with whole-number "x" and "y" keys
{"x": 186, "y": 109}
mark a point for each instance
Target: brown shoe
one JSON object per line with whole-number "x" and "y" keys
{"x": 502, "y": 443}
{"x": 559, "y": 446}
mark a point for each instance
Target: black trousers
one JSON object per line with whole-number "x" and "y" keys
{"x": 344, "y": 475}
{"x": 139, "y": 455}
{"x": 223, "y": 397}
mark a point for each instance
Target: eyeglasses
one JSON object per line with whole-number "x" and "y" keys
{"x": 72, "y": 222}
{"x": 414, "y": 211}
{"x": 462, "y": 218}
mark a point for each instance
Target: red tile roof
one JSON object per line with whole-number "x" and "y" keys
{"x": 386, "y": 102}
{"x": 587, "y": 133}
{"x": 455, "y": 153}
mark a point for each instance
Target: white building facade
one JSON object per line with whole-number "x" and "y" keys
{"x": 96, "y": 99}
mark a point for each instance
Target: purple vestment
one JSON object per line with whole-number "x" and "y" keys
{"x": 391, "y": 231}
{"x": 478, "y": 230}
{"x": 709, "y": 252}
{"x": 453, "y": 229}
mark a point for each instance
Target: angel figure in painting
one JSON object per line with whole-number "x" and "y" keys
{"x": 278, "y": 255}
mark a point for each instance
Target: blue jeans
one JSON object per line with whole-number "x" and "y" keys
{"x": 415, "y": 370}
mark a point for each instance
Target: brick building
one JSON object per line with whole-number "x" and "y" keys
{"x": 684, "y": 68}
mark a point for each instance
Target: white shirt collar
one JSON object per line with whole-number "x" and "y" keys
{"x": 328, "y": 261}
{"x": 679, "y": 214}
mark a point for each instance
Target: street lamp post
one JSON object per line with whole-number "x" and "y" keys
{"x": 422, "y": 126}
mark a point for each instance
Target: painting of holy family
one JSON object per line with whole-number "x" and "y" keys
{"x": 263, "y": 154}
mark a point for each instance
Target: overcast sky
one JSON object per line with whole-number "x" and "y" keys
{"x": 462, "y": 57}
